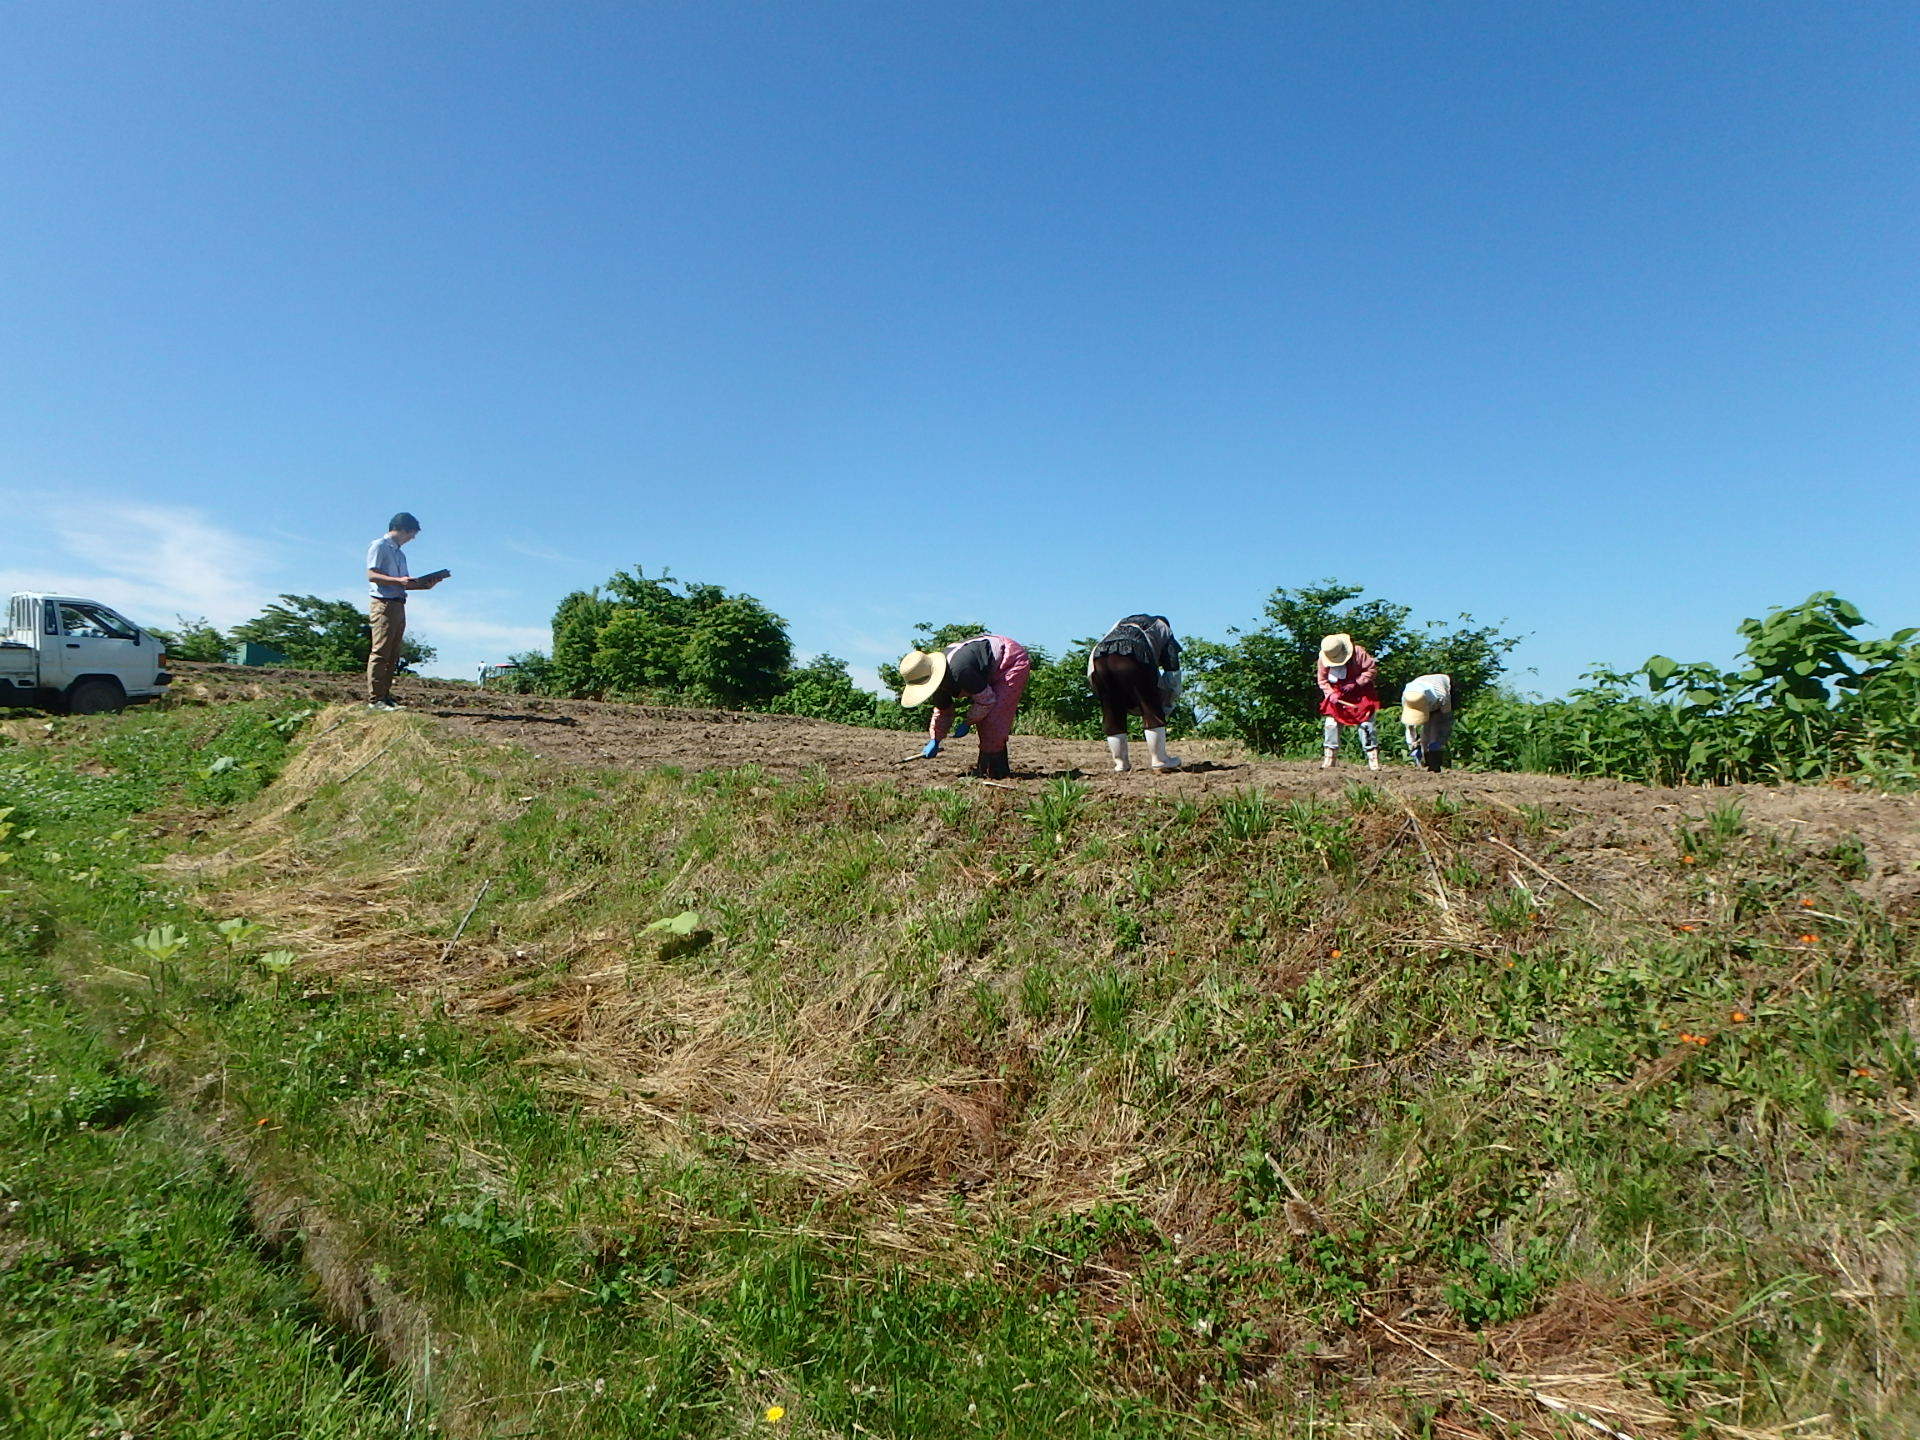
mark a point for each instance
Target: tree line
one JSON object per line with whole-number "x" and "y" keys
{"x": 1812, "y": 699}
{"x": 313, "y": 634}
{"x": 655, "y": 638}
{"x": 1815, "y": 699}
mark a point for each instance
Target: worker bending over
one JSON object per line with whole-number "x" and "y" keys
{"x": 1136, "y": 667}
{"x": 1426, "y": 709}
{"x": 1348, "y": 698}
{"x": 991, "y": 671}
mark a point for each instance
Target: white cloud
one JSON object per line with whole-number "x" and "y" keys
{"x": 152, "y": 561}
{"x": 537, "y": 552}
{"x": 450, "y": 628}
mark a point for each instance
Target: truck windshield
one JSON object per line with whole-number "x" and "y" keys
{"x": 92, "y": 623}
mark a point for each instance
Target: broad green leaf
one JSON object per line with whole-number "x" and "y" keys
{"x": 682, "y": 924}
{"x": 161, "y": 943}
{"x": 1661, "y": 668}
{"x": 1703, "y": 698}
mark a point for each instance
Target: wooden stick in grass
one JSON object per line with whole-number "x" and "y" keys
{"x": 1439, "y": 885}
{"x": 1545, "y": 873}
{"x": 364, "y": 763}
{"x": 461, "y": 929}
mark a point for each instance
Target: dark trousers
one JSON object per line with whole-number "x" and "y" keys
{"x": 1123, "y": 685}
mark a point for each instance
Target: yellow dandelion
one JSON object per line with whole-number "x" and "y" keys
{"x": 776, "y": 1413}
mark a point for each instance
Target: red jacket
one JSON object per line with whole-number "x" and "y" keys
{"x": 1354, "y": 699}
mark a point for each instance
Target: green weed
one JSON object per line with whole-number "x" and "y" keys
{"x": 1056, "y": 811}
{"x": 1244, "y": 816}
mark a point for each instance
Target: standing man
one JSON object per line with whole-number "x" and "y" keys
{"x": 387, "y": 609}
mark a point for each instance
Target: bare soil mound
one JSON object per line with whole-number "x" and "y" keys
{"x": 1601, "y": 815}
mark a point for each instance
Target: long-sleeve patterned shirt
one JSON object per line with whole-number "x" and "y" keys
{"x": 1356, "y": 684}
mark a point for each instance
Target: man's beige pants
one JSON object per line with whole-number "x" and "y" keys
{"x": 389, "y": 619}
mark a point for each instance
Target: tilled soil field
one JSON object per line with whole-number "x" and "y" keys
{"x": 1602, "y": 813}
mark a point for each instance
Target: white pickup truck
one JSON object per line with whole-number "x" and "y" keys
{"x": 59, "y": 652}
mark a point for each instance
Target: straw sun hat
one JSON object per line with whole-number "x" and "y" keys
{"x": 921, "y": 671}
{"x": 1416, "y": 704}
{"x": 1336, "y": 649}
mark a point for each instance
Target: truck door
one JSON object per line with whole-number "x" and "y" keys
{"x": 94, "y": 641}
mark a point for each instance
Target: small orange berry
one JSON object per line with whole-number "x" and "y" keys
{"x": 261, "y": 1121}
{"x": 1806, "y": 902}
{"x": 1863, "y": 1072}
{"x": 1689, "y": 928}
{"x": 1740, "y": 1017}
{"x": 1686, "y": 860}
{"x": 1336, "y": 954}
{"x": 1809, "y": 939}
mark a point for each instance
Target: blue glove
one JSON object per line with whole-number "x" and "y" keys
{"x": 960, "y": 730}
{"x": 933, "y": 749}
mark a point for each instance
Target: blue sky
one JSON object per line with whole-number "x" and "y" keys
{"x": 1599, "y": 320}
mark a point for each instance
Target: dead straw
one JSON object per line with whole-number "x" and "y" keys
{"x": 1504, "y": 1382}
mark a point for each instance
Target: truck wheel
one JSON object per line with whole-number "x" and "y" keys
{"x": 95, "y": 697}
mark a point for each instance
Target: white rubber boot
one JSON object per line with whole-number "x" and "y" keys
{"x": 1373, "y": 759}
{"x": 1326, "y": 757}
{"x": 1117, "y": 747}
{"x": 1157, "y": 748}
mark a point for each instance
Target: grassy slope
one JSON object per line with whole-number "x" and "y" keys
{"x": 960, "y": 1113}
{"x": 133, "y": 1300}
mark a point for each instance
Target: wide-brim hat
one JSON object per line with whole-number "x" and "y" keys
{"x": 1336, "y": 649}
{"x": 1416, "y": 705}
{"x": 921, "y": 673}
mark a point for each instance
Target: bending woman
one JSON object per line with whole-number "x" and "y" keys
{"x": 1348, "y": 698}
{"x": 1136, "y": 669}
{"x": 991, "y": 672}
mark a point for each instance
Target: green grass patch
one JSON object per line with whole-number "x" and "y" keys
{"x": 134, "y": 1297}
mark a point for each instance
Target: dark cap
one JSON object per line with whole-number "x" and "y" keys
{"x": 403, "y": 521}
